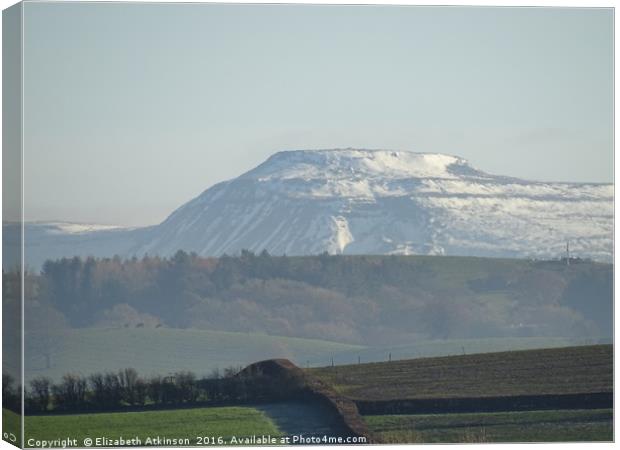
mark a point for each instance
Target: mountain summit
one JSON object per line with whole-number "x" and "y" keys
{"x": 355, "y": 201}
{"x": 354, "y": 164}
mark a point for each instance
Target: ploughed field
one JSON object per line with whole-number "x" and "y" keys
{"x": 480, "y": 398}
{"x": 570, "y": 370}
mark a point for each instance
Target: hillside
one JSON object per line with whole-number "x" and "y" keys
{"x": 164, "y": 350}
{"x": 374, "y": 301}
{"x": 570, "y": 370}
{"x": 357, "y": 201}
{"x": 342, "y": 307}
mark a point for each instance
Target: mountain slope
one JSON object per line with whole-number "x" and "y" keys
{"x": 365, "y": 202}
{"x": 377, "y": 202}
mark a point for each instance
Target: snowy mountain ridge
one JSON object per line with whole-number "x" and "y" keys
{"x": 348, "y": 163}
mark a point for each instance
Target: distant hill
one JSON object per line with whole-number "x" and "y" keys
{"x": 373, "y": 301}
{"x": 357, "y": 201}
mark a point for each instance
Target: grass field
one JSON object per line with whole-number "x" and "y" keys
{"x": 164, "y": 350}
{"x": 273, "y": 419}
{"x": 532, "y": 372}
{"x": 224, "y": 422}
{"x": 279, "y": 419}
{"x": 526, "y": 426}
{"x": 11, "y": 426}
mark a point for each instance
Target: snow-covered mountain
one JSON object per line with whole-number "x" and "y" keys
{"x": 379, "y": 202}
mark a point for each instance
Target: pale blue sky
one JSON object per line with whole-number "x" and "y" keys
{"x": 133, "y": 109}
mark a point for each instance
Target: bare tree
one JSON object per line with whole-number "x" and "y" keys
{"x": 40, "y": 391}
{"x": 70, "y": 393}
{"x": 128, "y": 379}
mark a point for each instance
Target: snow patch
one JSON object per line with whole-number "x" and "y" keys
{"x": 343, "y": 236}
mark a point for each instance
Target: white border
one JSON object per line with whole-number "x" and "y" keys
{"x": 531, "y": 3}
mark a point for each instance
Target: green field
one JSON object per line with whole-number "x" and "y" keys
{"x": 272, "y": 419}
{"x": 11, "y": 425}
{"x": 164, "y": 350}
{"x": 585, "y": 369}
{"x": 526, "y": 426}
{"x": 224, "y": 422}
{"x": 532, "y": 372}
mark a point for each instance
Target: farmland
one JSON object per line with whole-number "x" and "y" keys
{"x": 583, "y": 372}
{"x": 88, "y": 316}
{"x": 533, "y": 372}
{"x": 522, "y": 426}
{"x": 201, "y": 426}
{"x": 90, "y": 350}
{"x": 450, "y": 347}
{"x": 224, "y": 422}
{"x": 493, "y": 397}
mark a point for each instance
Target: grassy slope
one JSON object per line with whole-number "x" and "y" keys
{"x": 182, "y": 423}
{"x": 160, "y": 351}
{"x": 530, "y": 372}
{"x": 163, "y": 350}
{"x": 525, "y": 426}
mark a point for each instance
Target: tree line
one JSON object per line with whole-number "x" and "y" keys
{"x": 116, "y": 390}
{"x": 366, "y": 300}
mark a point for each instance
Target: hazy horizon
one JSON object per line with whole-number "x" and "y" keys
{"x": 144, "y": 106}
